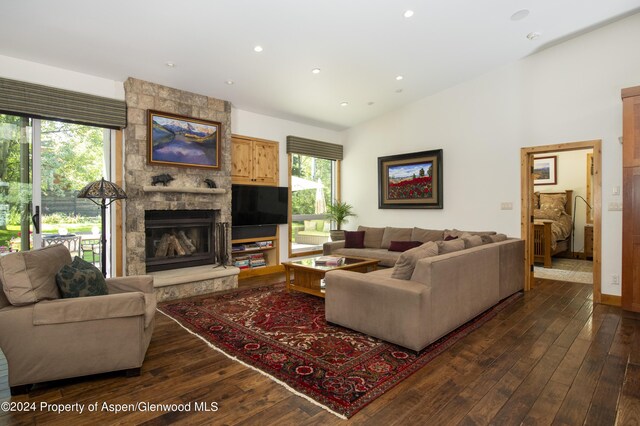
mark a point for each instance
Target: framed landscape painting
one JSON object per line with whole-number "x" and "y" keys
{"x": 545, "y": 170}
{"x": 410, "y": 181}
{"x": 175, "y": 140}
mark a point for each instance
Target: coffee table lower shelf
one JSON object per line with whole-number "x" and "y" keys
{"x": 310, "y": 279}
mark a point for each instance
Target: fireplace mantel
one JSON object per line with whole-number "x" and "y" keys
{"x": 215, "y": 191}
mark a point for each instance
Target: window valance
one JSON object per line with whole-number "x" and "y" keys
{"x": 38, "y": 101}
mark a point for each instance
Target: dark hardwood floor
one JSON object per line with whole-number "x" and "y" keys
{"x": 551, "y": 358}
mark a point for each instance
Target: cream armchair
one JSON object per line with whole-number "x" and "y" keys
{"x": 47, "y": 338}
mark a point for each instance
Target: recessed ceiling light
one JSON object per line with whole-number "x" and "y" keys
{"x": 370, "y": 103}
{"x": 398, "y": 90}
{"x": 344, "y": 104}
{"x": 533, "y": 35}
{"x": 230, "y": 82}
{"x": 170, "y": 64}
{"x": 316, "y": 71}
{"x": 258, "y": 49}
{"x": 408, "y": 13}
{"x": 521, "y": 14}
{"x": 399, "y": 77}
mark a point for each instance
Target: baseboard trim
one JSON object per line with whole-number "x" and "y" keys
{"x": 609, "y": 299}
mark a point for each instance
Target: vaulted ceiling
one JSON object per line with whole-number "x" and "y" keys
{"x": 371, "y": 58}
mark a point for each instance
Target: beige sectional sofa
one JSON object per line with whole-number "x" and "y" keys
{"x": 378, "y": 240}
{"x": 444, "y": 292}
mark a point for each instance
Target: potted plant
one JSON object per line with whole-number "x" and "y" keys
{"x": 338, "y": 212}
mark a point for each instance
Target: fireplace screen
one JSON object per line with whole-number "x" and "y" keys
{"x": 179, "y": 238}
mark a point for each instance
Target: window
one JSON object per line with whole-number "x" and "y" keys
{"x": 313, "y": 183}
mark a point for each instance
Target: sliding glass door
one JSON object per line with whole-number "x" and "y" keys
{"x": 43, "y": 165}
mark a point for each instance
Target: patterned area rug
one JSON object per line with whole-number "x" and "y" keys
{"x": 571, "y": 270}
{"x": 285, "y": 336}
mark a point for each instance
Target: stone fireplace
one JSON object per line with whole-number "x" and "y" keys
{"x": 177, "y": 239}
{"x": 187, "y": 193}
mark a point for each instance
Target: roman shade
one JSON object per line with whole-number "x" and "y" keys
{"x": 318, "y": 149}
{"x": 38, "y": 101}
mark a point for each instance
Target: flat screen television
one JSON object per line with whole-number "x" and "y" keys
{"x": 259, "y": 205}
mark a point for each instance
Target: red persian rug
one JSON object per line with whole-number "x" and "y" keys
{"x": 285, "y": 336}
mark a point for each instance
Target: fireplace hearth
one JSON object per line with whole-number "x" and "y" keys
{"x": 179, "y": 238}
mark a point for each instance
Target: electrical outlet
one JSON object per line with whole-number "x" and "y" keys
{"x": 615, "y": 279}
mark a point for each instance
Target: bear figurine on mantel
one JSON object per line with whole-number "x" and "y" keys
{"x": 164, "y": 179}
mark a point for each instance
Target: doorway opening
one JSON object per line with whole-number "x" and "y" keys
{"x": 539, "y": 174}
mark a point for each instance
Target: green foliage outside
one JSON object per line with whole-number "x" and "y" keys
{"x": 311, "y": 169}
{"x": 72, "y": 155}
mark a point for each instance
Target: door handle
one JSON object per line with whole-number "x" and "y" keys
{"x": 36, "y": 220}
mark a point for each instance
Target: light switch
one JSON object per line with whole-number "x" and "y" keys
{"x": 616, "y": 190}
{"x": 506, "y": 206}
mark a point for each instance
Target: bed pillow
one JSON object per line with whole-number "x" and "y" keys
{"x": 548, "y": 214}
{"x": 553, "y": 201}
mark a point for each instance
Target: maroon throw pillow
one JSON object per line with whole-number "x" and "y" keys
{"x": 450, "y": 237}
{"x": 353, "y": 239}
{"x": 404, "y": 245}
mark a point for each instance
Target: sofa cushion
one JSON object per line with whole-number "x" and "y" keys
{"x": 387, "y": 258}
{"x": 29, "y": 276}
{"x": 406, "y": 263}
{"x": 404, "y": 245}
{"x": 354, "y": 239}
{"x": 395, "y": 234}
{"x": 450, "y": 246}
{"x": 457, "y": 233}
{"x": 80, "y": 281}
{"x": 472, "y": 241}
{"x": 372, "y": 236}
{"x": 498, "y": 238}
{"x": 426, "y": 235}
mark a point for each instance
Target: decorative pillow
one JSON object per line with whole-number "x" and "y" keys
{"x": 327, "y": 226}
{"x": 309, "y": 225}
{"x": 372, "y": 236}
{"x": 406, "y": 263}
{"x": 29, "y": 276}
{"x": 425, "y": 235}
{"x": 452, "y": 233}
{"x": 498, "y": 237}
{"x": 550, "y": 214}
{"x": 319, "y": 225}
{"x": 81, "y": 279}
{"x": 394, "y": 234}
{"x": 450, "y": 246}
{"x": 472, "y": 241}
{"x": 486, "y": 239}
{"x": 403, "y": 245}
{"x": 354, "y": 239}
{"x": 450, "y": 237}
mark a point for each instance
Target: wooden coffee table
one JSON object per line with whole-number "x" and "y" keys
{"x": 308, "y": 276}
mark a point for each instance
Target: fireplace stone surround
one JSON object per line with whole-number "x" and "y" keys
{"x": 187, "y": 192}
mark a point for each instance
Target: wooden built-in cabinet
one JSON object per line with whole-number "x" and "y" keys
{"x": 631, "y": 199}
{"x": 254, "y": 161}
{"x": 256, "y": 256}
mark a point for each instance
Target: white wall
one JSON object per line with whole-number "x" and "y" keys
{"x": 571, "y": 173}
{"x": 567, "y": 93}
{"x": 247, "y": 123}
{"x": 32, "y": 72}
